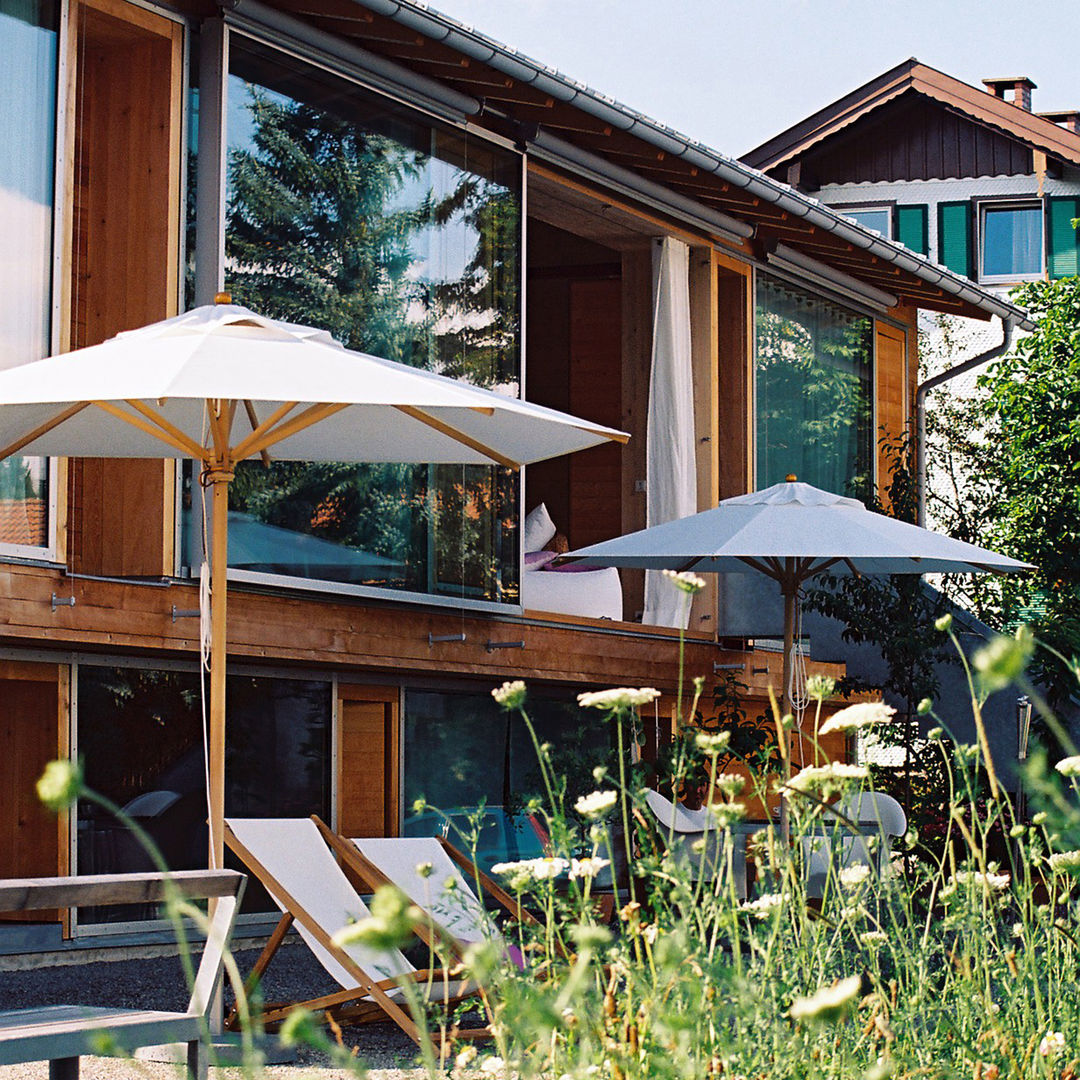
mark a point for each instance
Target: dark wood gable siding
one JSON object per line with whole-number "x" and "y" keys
{"x": 913, "y": 138}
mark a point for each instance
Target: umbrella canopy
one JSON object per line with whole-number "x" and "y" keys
{"x": 303, "y": 397}
{"x": 220, "y": 384}
{"x": 794, "y": 529}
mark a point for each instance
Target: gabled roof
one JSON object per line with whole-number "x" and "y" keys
{"x": 979, "y": 106}
{"x": 539, "y": 107}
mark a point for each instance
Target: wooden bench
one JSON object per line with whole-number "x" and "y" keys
{"x": 60, "y": 1034}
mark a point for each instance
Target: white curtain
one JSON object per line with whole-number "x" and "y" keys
{"x": 671, "y": 475}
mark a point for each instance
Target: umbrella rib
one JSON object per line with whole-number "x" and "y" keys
{"x": 253, "y": 418}
{"x": 246, "y": 447}
{"x": 177, "y": 437}
{"x": 180, "y": 441}
{"x": 42, "y": 429}
{"x": 311, "y": 415}
{"x": 458, "y": 436}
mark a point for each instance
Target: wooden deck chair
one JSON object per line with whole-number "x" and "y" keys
{"x": 457, "y": 911}
{"x": 291, "y": 859}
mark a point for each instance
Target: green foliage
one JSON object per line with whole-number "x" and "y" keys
{"x": 1011, "y": 454}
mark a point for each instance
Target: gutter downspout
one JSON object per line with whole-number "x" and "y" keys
{"x": 920, "y": 405}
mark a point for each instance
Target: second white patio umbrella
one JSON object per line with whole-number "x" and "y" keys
{"x": 221, "y": 385}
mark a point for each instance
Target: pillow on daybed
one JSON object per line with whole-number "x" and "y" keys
{"x": 538, "y": 528}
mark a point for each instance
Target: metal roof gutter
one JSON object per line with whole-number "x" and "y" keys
{"x": 477, "y": 46}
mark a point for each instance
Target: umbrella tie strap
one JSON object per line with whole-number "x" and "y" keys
{"x": 215, "y": 474}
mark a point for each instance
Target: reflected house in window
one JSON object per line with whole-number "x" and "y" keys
{"x": 487, "y": 220}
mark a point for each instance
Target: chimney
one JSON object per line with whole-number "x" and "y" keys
{"x": 1020, "y": 85}
{"x": 1069, "y": 119}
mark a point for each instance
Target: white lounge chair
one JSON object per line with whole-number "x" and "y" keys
{"x": 294, "y": 864}
{"x": 876, "y": 815}
{"x": 687, "y": 827}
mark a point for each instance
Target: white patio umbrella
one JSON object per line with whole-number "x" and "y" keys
{"x": 791, "y": 532}
{"x": 221, "y": 384}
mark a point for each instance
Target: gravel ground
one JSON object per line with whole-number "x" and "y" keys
{"x": 158, "y": 983}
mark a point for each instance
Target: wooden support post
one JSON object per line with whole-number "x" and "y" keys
{"x": 219, "y": 478}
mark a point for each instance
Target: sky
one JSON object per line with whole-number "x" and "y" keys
{"x": 732, "y": 73}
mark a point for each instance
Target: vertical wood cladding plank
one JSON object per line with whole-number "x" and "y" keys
{"x": 636, "y": 356}
{"x": 891, "y": 377}
{"x": 734, "y": 368}
{"x": 126, "y": 247}
{"x": 29, "y": 843}
{"x": 547, "y": 380}
{"x": 595, "y": 488}
{"x": 369, "y": 757}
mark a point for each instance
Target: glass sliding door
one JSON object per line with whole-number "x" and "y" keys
{"x": 402, "y": 238}
{"x": 28, "y": 77}
{"x": 813, "y": 390}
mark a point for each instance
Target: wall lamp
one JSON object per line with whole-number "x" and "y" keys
{"x": 836, "y": 281}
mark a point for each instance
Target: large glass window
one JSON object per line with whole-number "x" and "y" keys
{"x": 813, "y": 390}
{"x": 28, "y": 31}
{"x": 402, "y": 238}
{"x": 462, "y": 750}
{"x": 140, "y": 737}
{"x": 1011, "y": 246}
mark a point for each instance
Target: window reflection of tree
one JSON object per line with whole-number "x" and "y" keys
{"x": 342, "y": 215}
{"x": 814, "y": 380}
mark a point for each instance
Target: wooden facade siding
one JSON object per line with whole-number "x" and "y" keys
{"x": 385, "y": 640}
{"x": 913, "y": 138}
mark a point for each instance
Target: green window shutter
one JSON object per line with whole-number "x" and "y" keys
{"x": 954, "y": 237}
{"x": 910, "y": 228}
{"x": 1062, "y": 240}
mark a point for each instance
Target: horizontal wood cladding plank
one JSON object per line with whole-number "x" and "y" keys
{"x": 376, "y": 637}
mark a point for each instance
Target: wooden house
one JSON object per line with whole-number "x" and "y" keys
{"x": 429, "y": 195}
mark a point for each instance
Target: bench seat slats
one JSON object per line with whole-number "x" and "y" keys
{"x": 60, "y": 1031}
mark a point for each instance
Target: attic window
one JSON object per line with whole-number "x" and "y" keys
{"x": 878, "y": 218}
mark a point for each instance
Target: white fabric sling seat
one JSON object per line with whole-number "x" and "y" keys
{"x": 295, "y": 866}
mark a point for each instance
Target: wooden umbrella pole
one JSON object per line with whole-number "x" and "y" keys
{"x": 218, "y": 477}
{"x": 789, "y": 588}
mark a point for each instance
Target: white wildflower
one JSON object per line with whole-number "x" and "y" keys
{"x": 873, "y": 938}
{"x": 763, "y": 906}
{"x": 833, "y": 775}
{"x": 465, "y": 1056}
{"x": 855, "y": 717}
{"x": 587, "y": 868}
{"x": 726, "y": 814}
{"x": 686, "y": 581}
{"x": 1039, "y": 818}
{"x": 424, "y": 869}
{"x": 1053, "y": 1043}
{"x": 729, "y": 784}
{"x": 1018, "y": 930}
{"x": 650, "y": 932}
{"x": 597, "y": 804}
{"x": 853, "y": 876}
{"x": 712, "y": 742}
{"x": 1069, "y": 766}
{"x": 853, "y": 912}
{"x": 1062, "y": 862}
{"x": 493, "y": 1066}
{"x": 829, "y": 1002}
{"x": 511, "y": 695}
{"x": 527, "y": 870}
{"x": 989, "y": 882}
{"x": 623, "y": 697}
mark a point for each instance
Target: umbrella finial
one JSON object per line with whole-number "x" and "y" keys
{"x": 222, "y": 298}
{"x": 790, "y": 478}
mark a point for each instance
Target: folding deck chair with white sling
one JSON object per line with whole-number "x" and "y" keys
{"x": 294, "y": 864}
{"x": 455, "y": 909}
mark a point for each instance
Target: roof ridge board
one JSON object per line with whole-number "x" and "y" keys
{"x": 838, "y": 113}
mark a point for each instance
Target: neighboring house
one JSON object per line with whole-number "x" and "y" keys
{"x": 430, "y": 195}
{"x": 971, "y": 177}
